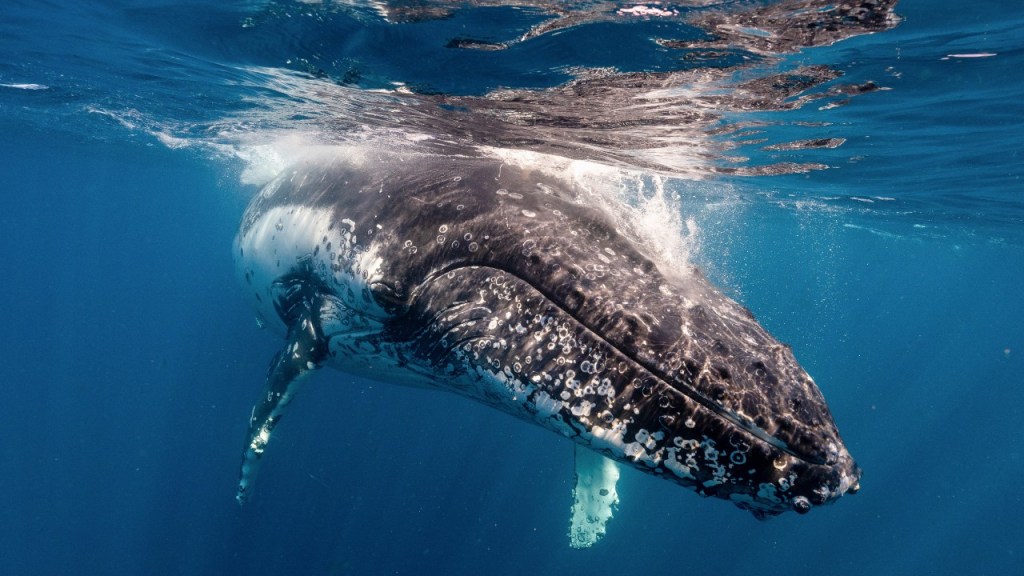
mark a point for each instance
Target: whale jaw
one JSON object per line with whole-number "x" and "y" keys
{"x": 494, "y": 337}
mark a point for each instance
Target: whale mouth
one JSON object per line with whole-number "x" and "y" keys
{"x": 741, "y": 422}
{"x": 499, "y": 338}
{"x": 564, "y": 308}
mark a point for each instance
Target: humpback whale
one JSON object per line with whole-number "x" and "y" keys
{"x": 493, "y": 280}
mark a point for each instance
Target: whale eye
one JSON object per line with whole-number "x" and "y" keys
{"x": 801, "y": 505}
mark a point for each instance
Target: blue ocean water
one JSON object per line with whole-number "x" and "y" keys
{"x": 133, "y": 134}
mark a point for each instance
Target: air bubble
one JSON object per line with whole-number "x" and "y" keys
{"x": 443, "y": 228}
{"x": 473, "y": 246}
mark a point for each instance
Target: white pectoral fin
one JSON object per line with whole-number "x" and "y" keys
{"x": 304, "y": 351}
{"x": 594, "y": 497}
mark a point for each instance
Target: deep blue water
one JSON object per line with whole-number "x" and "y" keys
{"x": 129, "y": 133}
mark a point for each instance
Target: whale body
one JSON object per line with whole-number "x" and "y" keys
{"x": 494, "y": 281}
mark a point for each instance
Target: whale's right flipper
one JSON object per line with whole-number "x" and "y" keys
{"x": 594, "y": 497}
{"x": 304, "y": 352}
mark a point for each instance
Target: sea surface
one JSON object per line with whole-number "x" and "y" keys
{"x": 851, "y": 172}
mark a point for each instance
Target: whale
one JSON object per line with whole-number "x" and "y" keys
{"x": 498, "y": 281}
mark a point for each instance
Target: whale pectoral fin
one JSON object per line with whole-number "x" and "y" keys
{"x": 304, "y": 352}
{"x": 594, "y": 497}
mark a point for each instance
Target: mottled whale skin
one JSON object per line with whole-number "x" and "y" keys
{"x": 493, "y": 281}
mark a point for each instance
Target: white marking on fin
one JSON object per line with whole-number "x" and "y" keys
{"x": 594, "y": 497}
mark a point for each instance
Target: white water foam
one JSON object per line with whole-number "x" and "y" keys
{"x": 645, "y": 207}
{"x": 22, "y": 86}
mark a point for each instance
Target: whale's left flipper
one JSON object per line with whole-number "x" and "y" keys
{"x": 305, "y": 351}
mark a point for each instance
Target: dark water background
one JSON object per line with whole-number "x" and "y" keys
{"x": 129, "y": 362}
